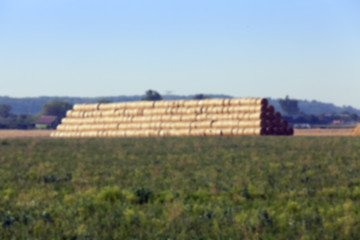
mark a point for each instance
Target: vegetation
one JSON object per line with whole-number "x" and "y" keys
{"x": 180, "y": 188}
{"x": 152, "y": 95}
{"x": 56, "y": 108}
{"x": 9, "y": 120}
{"x": 289, "y": 106}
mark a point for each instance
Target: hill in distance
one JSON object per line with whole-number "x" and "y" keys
{"x": 33, "y": 105}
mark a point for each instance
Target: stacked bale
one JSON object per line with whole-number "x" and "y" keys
{"x": 208, "y": 117}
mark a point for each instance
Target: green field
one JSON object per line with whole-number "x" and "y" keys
{"x": 180, "y": 188}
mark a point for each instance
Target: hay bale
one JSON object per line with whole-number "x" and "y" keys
{"x": 86, "y": 107}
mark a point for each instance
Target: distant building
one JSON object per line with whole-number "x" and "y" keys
{"x": 46, "y": 122}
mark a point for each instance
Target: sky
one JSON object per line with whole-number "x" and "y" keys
{"x": 307, "y": 49}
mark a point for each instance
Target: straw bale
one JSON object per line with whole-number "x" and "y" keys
{"x": 227, "y": 131}
{"x": 248, "y": 101}
{"x": 180, "y": 125}
{"x": 246, "y": 109}
{"x": 201, "y": 117}
{"x": 164, "y": 133}
{"x": 120, "y": 105}
{"x": 154, "y": 111}
{"x": 226, "y": 102}
{"x": 73, "y": 114}
{"x": 197, "y": 132}
{"x": 213, "y": 132}
{"x": 152, "y": 133}
{"x": 214, "y": 110}
{"x": 188, "y": 118}
{"x": 156, "y": 118}
{"x": 203, "y": 124}
{"x": 180, "y": 103}
{"x": 166, "y": 118}
{"x": 93, "y": 114}
{"x": 176, "y": 118}
{"x": 116, "y": 133}
{"x": 103, "y": 134}
{"x": 107, "y": 106}
{"x": 179, "y": 132}
{"x": 140, "y": 104}
{"x": 89, "y": 134}
{"x": 191, "y": 103}
{"x": 215, "y": 102}
{"x": 108, "y": 113}
{"x": 133, "y": 112}
{"x": 86, "y": 107}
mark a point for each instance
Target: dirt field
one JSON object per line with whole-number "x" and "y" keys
{"x": 322, "y": 132}
{"x": 46, "y": 133}
{"x": 24, "y": 133}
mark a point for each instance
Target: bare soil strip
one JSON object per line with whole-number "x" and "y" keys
{"x": 25, "y": 134}
{"x": 322, "y": 132}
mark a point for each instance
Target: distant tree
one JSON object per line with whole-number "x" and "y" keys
{"x": 199, "y": 97}
{"x": 289, "y": 106}
{"x": 5, "y": 110}
{"x": 151, "y": 95}
{"x": 56, "y": 108}
{"x": 104, "y": 100}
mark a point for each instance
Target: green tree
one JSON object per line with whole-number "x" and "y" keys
{"x": 152, "y": 95}
{"x": 289, "y": 106}
{"x": 104, "y": 100}
{"x": 56, "y": 108}
{"x": 199, "y": 97}
{"x": 5, "y": 110}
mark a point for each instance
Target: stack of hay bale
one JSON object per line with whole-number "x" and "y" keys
{"x": 208, "y": 117}
{"x": 356, "y": 131}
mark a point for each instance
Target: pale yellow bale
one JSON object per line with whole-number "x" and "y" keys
{"x": 213, "y": 132}
{"x": 202, "y": 124}
{"x": 248, "y": 101}
{"x": 89, "y": 134}
{"x": 116, "y": 133}
{"x": 227, "y": 131}
{"x": 93, "y": 114}
{"x": 156, "y": 118}
{"x": 133, "y": 112}
{"x": 86, "y": 107}
{"x": 176, "y": 118}
{"x": 197, "y": 132}
{"x": 201, "y": 117}
{"x": 119, "y": 105}
{"x": 179, "y": 132}
{"x": 108, "y": 106}
{"x": 214, "y": 110}
{"x": 191, "y": 103}
{"x": 188, "y": 118}
{"x": 74, "y": 114}
{"x": 109, "y": 113}
{"x": 216, "y": 102}
{"x": 166, "y": 118}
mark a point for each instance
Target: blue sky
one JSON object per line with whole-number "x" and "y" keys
{"x": 308, "y": 49}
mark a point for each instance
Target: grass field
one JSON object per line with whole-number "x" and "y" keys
{"x": 180, "y": 188}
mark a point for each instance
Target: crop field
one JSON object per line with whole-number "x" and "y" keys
{"x": 180, "y": 188}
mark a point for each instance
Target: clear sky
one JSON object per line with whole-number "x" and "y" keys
{"x": 307, "y": 49}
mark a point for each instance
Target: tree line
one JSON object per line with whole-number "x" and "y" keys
{"x": 58, "y": 108}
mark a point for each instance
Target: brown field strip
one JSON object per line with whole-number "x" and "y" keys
{"x": 322, "y": 132}
{"x": 25, "y": 134}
